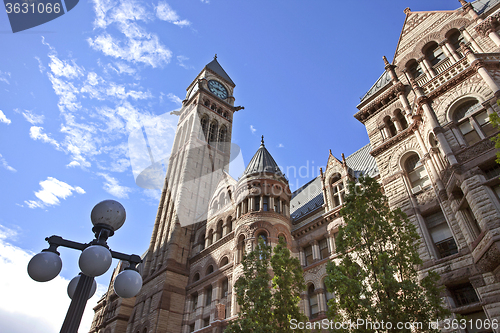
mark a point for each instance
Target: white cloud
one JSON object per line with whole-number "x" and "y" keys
{"x": 281, "y": 145}
{"x": 165, "y": 13}
{"x": 33, "y": 118}
{"x": 253, "y": 129}
{"x": 4, "y": 77}
{"x": 6, "y": 165}
{"x": 112, "y": 187}
{"x": 53, "y": 190}
{"x": 138, "y": 46}
{"x": 205, "y": 1}
{"x": 181, "y": 59}
{"x": 63, "y": 68}
{"x": 36, "y": 133}
{"x": 174, "y": 99}
{"x": 4, "y": 119}
{"x": 48, "y": 301}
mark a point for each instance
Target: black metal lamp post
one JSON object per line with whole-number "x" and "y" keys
{"x": 107, "y": 217}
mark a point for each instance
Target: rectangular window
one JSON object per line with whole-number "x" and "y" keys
{"x": 208, "y": 298}
{"x": 313, "y": 303}
{"x": 265, "y": 204}
{"x": 464, "y": 295}
{"x": 441, "y": 234}
{"x": 471, "y": 221}
{"x": 206, "y": 321}
{"x": 195, "y": 302}
{"x": 469, "y": 133}
{"x": 308, "y": 251}
{"x": 191, "y": 328}
{"x": 257, "y": 204}
{"x": 323, "y": 248}
{"x": 484, "y": 121}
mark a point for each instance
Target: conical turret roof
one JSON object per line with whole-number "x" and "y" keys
{"x": 262, "y": 161}
{"x": 217, "y": 69}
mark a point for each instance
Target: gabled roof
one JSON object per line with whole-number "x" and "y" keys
{"x": 362, "y": 162}
{"x": 261, "y": 162}
{"x": 480, "y": 6}
{"x": 309, "y": 197}
{"x": 217, "y": 69}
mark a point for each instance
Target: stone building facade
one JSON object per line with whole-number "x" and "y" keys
{"x": 427, "y": 121}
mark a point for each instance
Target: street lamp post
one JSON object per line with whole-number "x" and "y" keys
{"x": 107, "y": 217}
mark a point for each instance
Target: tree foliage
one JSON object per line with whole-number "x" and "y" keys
{"x": 495, "y": 121}
{"x": 376, "y": 278}
{"x": 268, "y": 303}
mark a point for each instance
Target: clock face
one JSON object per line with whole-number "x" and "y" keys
{"x": 217, "y": 89}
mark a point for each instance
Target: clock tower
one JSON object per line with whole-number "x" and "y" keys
{"x": 199, "y": 157}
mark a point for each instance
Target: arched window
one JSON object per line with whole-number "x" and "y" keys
{"x": 224, "y": 261}
{"x": 282, "y": 237}
{"x": 414, "y": 69}
{"x": 402, "y": 120}
{"x": 328, "y": 295}
{"x": 416, "y": 173}
{"x": 206, "y": 103}
{"x": 455, "y": 39}
{"x": 211, "y": 132}
{"x": 208, "y": 295}
{"x": 196, "y": 277}
{"x": 210, "y": 237}
{"x": 434, "y": 54}
{"x": 469, "y": 118}
{"x": 201, "y": 241}
{"x": 222, "y": 138}
{"x": 241, "y": 248}
{"x": 194, "y": 298}
{"x": 219, "y": 231}
{"x": 313, "y": 302}
{"x": 229, "y": 225}
{"x": 213, "y": 107}
{"x": 210, "y": 270}
{"x": 263, "y": 236}
{"x": 224, "y": 288}
{"x": 204, "y": 126}
{"x": 391, "y": 128}
{"x": 338, "y": 191}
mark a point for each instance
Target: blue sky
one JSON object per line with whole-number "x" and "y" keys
{"x": 73, "y": 90}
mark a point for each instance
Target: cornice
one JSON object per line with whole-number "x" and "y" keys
{"x": 380, "y": 102}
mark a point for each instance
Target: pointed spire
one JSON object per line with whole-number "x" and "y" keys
{"x": 386, "y": 62}
{"x": 343, "y": 159}
{"x": 215, "y": 56}
{"x": 217, "y": 69}
{"x": 262, "y": 162}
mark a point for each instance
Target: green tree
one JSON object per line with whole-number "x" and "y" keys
{"x": 376, "y": 278}
{"x": 495, "y": 121}
{"x": 268, "y": 304}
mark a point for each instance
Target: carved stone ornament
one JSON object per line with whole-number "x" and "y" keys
{"x": 475, "y": 150}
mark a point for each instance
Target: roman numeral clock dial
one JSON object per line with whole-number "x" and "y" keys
{"x": 217, "y": 89}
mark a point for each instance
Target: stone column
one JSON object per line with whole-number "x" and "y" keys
{"x": 427, "y": 67}
{"x": 315, "y": 249}
{"x": 471, "y": 40}
{"x": 447, "y": 46}
{"x": 479, "y": 66}
{"x": 305, "y": 299}
{"x": 331, "y": 243}
{"x": 320, "y": 295}
{"x": 429, "y": 163}
{"x": 199, "y": 310}
{"x": 399, "y": 128}
{"x": 302, "y": 257}
{"x": 458, "y": 135}
{"x": 438, "y": 130}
